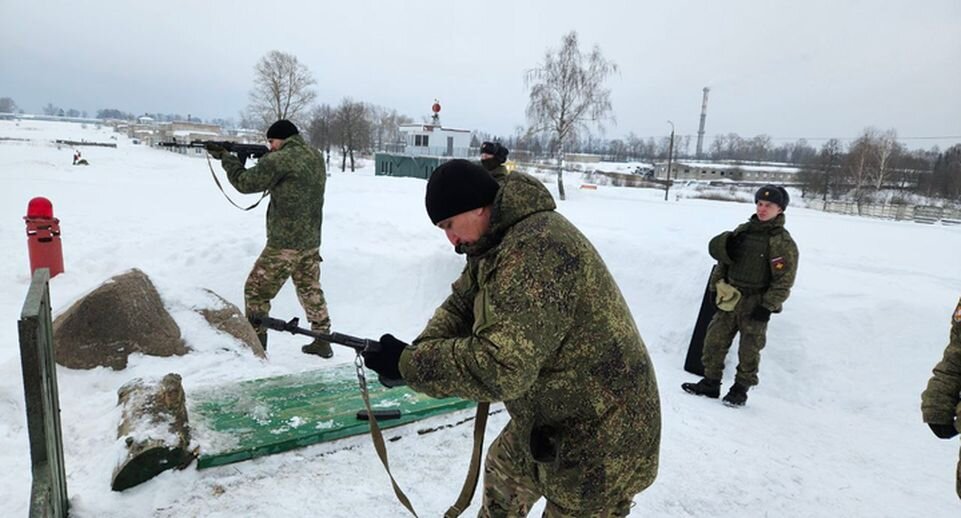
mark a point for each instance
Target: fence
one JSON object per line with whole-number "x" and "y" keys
{"x": 919, "y": 213}
{"x": 48, "y": 494}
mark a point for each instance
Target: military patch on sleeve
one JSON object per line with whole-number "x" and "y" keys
{"x": 957, "y": 312}
{"x": 778, "y": 263}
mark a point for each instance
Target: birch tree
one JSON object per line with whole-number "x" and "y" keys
{"x": 886, "y": 148}
{"x": 568, "y": 96}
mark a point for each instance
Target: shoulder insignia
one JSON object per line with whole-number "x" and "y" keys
{"x": 778, "y": 263}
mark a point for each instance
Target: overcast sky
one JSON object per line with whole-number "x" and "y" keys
{"x": 787, "y": 69}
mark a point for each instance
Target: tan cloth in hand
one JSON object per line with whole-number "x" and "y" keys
{"x": 727, "y": 296}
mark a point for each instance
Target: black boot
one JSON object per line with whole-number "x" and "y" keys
{"x": 254, "y": 320}
{"x": 319, "y": 347}
{"x": 737, "y": 396}
{"x": 706, "y": 387}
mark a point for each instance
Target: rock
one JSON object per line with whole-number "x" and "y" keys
{"x": 123, "y": 316}
{"x": 229, "y": 319}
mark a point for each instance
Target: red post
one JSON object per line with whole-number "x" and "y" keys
{"x": 43, "y": 237}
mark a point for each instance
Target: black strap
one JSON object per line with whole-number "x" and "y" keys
{"x": 216, "y": 181}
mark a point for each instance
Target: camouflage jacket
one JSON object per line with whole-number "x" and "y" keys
{"x": 940, "y": 401}
{"x": 764, "y": 258}
{"x": 500, "y": 173}
{"x": 537, "y": 321}
{"x": 295, "y": 178}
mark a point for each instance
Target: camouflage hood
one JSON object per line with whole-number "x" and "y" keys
{"x": 519, "y": 197}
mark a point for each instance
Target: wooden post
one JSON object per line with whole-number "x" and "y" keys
{"x": 48, "y": 494}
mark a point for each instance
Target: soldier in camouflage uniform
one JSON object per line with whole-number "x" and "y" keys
{"x": 536, "y": 321}
{"x": 759, "y": 260}
{"x": 941, "y": 401}
{"x": 493, "y": 155}
{"x": 294, "y": 175}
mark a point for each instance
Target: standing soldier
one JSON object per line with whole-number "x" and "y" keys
{"x": 536, "y": 321}
{"x": 940, "y": 401}
{"x": 294, "y": 176}
{"x": 756, "y": 266}
{"x": 493, "y": 155}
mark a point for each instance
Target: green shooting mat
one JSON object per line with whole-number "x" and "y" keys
{"x": 253, "y": 418}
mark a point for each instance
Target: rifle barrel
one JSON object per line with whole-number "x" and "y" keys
{"x": 359, "y": 344}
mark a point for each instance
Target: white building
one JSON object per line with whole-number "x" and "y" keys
{"x": 430, "y": 140}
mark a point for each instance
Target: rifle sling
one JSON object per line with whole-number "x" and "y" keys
{"x": 216, "y": 181}
{"x": 473, "y": 472}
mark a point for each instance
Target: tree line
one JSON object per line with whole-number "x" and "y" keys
{"x": 283, "y": 90}
{"x": 568, "y": 99}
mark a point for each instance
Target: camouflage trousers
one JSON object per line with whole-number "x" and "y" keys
{"x": 720, "y": 335}
{"x": 510, "y": 489}
{"x": 271, "y": 271}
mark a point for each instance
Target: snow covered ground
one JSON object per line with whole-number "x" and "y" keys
{"x": 834, "y": 429}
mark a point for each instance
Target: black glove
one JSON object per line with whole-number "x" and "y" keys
{"x": 761, "y": 314}
{"x": 943, "y": 431}
{"x": 216, "y": 150}
{"x": 385, "y": 361}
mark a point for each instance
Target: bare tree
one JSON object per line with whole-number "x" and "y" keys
{"x": 385, "y": 126}
{"x": 351, "y": 130}
{"x": 945, "y": 178}
{"x": 858, "y": 161}
{"x": 51, "y": 109}
{"x": 281, "y": 89}
{"x": 7, "y": 105}
{"x": 829, "y": 158}
{"x": 568, "y": 95}
{"x": 682, "y": 145}
{"x": 886, "y": 148}
{"x": 320, "y": 131}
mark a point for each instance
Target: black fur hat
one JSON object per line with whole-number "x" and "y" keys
{"x": 495, "y": 148}
{"x": 773, "y": 193}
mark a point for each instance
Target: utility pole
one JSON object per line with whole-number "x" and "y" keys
{"x": 670, "y": 159}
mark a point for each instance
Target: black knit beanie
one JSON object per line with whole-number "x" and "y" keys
{"x": 773, "y": 193}
{"x": 458, "y": 186}
{"x": 282, "y": 129}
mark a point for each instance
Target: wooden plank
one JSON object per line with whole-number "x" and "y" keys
{"x": 49, "y": 489}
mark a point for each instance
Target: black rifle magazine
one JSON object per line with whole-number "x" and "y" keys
{"x": 380, "y": 415}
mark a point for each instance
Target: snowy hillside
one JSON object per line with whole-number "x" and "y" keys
{"x": 834, "y": 429}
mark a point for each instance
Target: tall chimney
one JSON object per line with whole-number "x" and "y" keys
{"x": 700, "y": 128}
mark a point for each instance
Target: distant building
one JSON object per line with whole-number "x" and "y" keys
{"x": 424, "y": 147}
{"x": 743, "y": 173}
{"x": 584, "y": 158}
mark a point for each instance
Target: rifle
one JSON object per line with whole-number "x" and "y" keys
{"x": 358, "y": 344}
{"x": 243, "y": 151}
